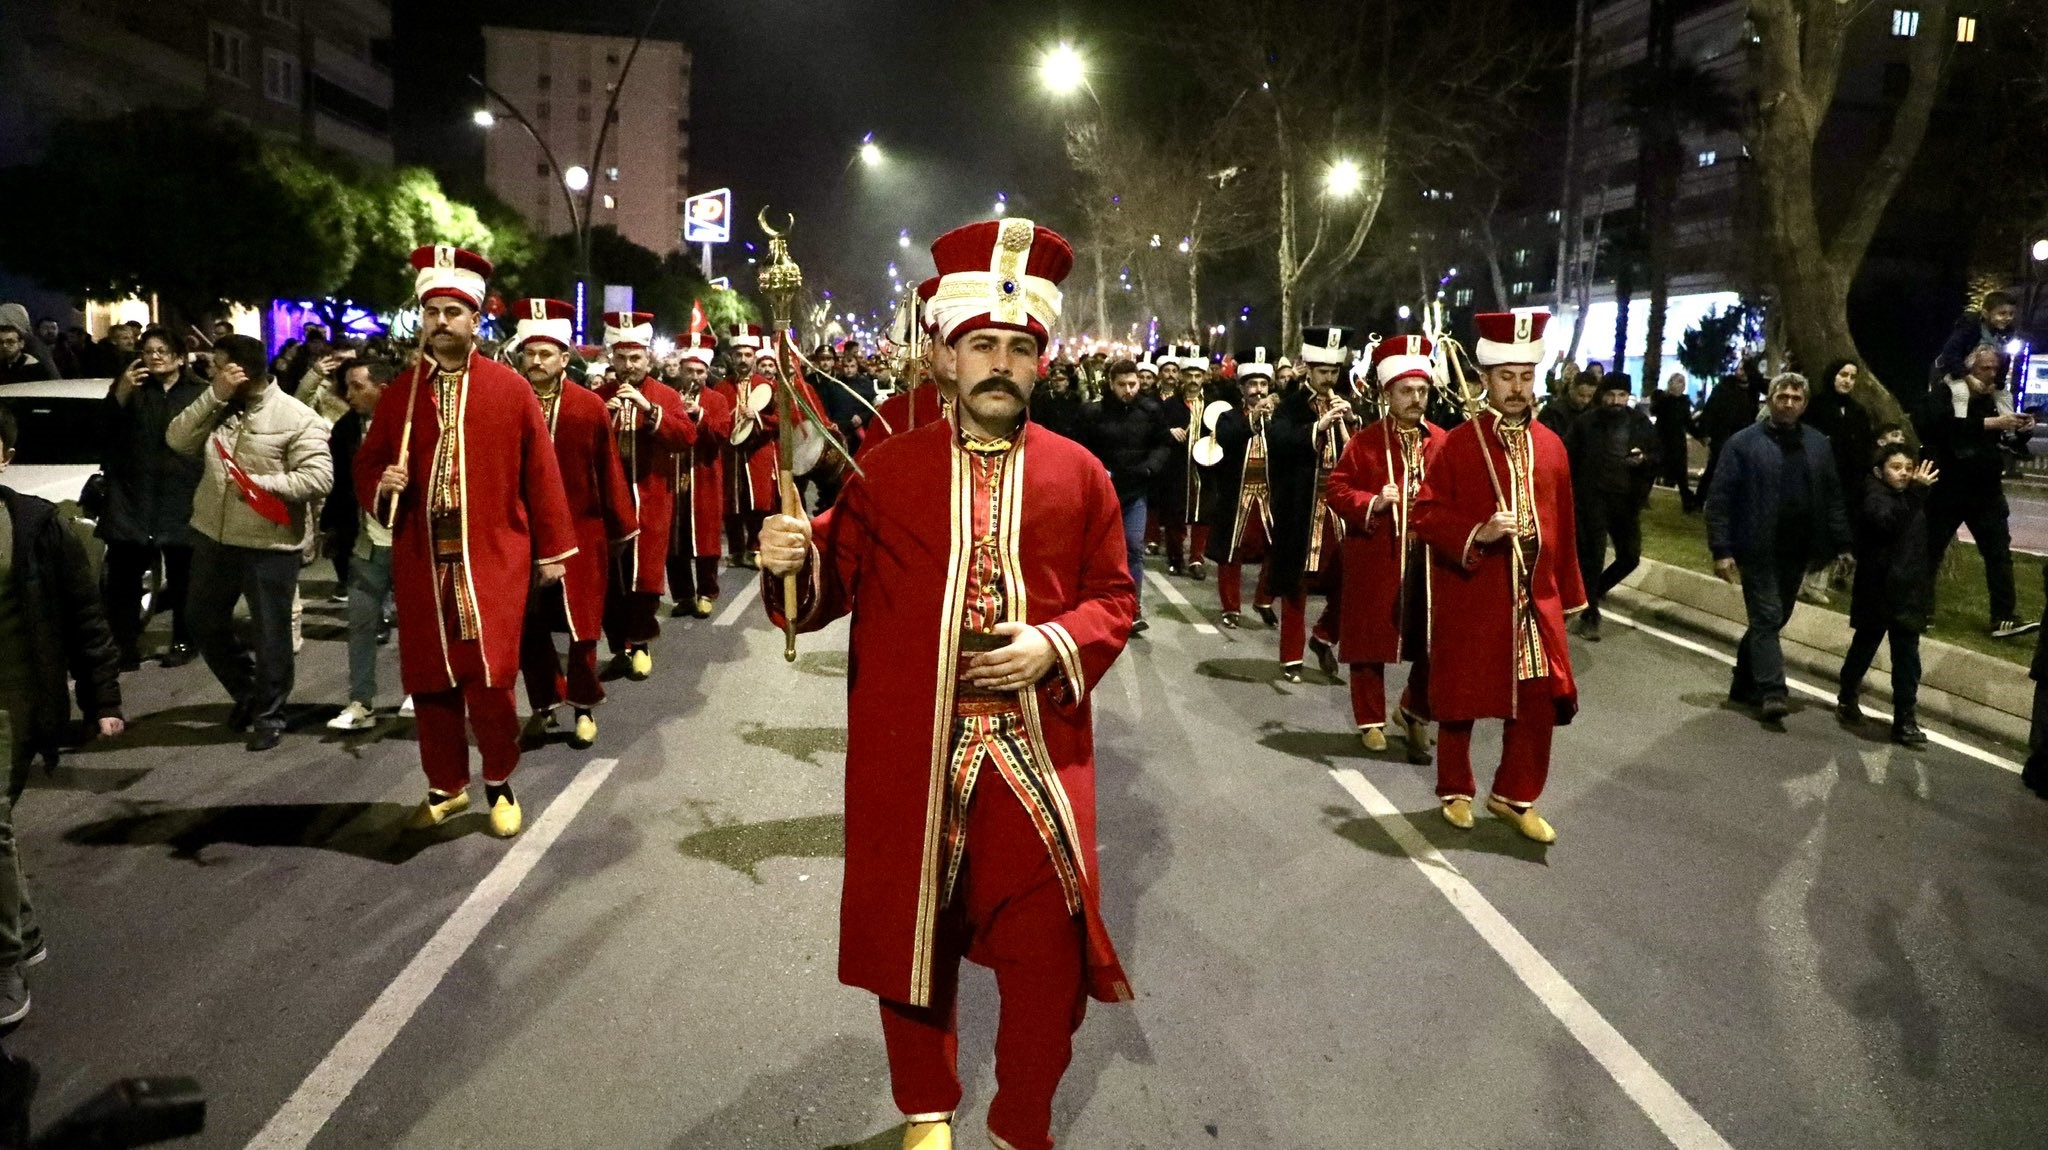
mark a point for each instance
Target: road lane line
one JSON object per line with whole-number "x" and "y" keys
{"x": 1164, "y": 587}
{"x": 739, "y": 604}
{"x": 1658, "y": 1099}
{"x": 1822, "y": 693}
{"x": 307, "y": 1111}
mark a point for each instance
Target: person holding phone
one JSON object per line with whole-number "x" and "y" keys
{"x": 146, "y": 524}
{"x": 1960, "y": 425}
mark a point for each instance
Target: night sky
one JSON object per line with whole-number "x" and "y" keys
{"x": 784, "y": 90}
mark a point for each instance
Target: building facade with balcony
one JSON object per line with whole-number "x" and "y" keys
{"x": 562, "y": 84}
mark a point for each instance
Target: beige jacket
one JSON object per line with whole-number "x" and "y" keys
{"x": 280, "y": 442}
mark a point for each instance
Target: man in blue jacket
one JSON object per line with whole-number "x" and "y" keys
{"x": 1773, "y": 513}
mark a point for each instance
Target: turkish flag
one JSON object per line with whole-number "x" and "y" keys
{"x": 264, "y": 503}
{"x": 698, "y": 320}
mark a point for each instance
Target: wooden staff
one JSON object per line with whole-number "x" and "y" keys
{"x": 388, "y": 514}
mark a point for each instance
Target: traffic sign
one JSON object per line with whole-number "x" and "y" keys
{"x": 707, "y": 217}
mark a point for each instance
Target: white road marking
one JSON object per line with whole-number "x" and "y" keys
{"x": 1658, "y": 1099}
{"x": 303, "y": 1115}
{"x": 1172, "y": 593}
{"x": 740, "y": 602}
{"x": 1935, "y": 737}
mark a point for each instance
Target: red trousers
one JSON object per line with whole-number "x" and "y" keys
{"x": 491, "y": 712}
{"x": 1369, "y": 693}
{"x": 1294, "y": 622}
{"x": 1008, "y": 914}
{"x": 690, "y": 576}
{"x": 1179, "y": 537}
{"x": 1230, "y": 587}
{"x": 630, "y": 618}
{"x": 541, "y": 666}
{"x": 1524, "y": 749}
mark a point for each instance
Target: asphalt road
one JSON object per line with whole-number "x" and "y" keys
{"x": 1799, "y": 939}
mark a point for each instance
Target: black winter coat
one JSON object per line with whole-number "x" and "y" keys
{"x": 1894, "y": 570}
{"x": 1598, "y": 443}
{"x": 1062, "y": 412}
{"x": 1850, "y": 435}
{"x": 149, "y": 486}
{"x": 341, "y": 514}
{"x": 68, "y": 638}
{"x": 1729, "y": 408}
{"x": 1291, "y": 474}
{"x": 1131, "y": 441}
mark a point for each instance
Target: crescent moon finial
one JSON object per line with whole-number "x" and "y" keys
{"x": 761, "y": 218}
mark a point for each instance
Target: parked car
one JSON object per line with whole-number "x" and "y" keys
{"x": 60, "y": 426}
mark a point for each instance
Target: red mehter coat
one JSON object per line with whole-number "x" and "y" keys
{"x": 600, "y": 503}
{"x": 648, "y": 456}
{"x": 1472, "y": 652}
{"x": 700, "y": 471}
{"x": 750, "y": 465}
{"x": 1376, "y": 554}
{"x": 514, "y": 514}
{"x": 893, "y": 553}
{"x": 901, "y": 412}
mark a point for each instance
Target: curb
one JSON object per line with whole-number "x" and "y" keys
{"x": 1985, "y": 696}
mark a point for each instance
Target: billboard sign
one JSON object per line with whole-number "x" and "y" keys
{"x": 707, "y": 217}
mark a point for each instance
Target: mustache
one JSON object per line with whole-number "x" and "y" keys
{"x": 998, "y": 383}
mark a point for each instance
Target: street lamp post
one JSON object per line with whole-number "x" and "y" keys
{"x": 575, "y": 179}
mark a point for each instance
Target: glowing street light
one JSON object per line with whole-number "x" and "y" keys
{"x": 1002, "y": 204}
{"x": 903, "y": 238}
{"x": 870, "y": 152}
{"x": 577, "y": 177}
{"x": 1186, "y": 247}
{"x": 483, "y": 118}
{"x": 1343, "y": 179}
{"x": 1062, "y": 70}
{"x": 2041, "y": 251}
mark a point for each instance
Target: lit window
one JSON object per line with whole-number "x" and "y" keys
{"x": 1709, "y": 158}
{"x": 1905, "y": 22}
{"x": 1521, "y": 257}
{"x": 1556, "y": 216}
{"x": 1966, "y": 30}
{"x": 280, "y": 76}
{"x": 1523, "y": 287}
{"x": 610, "y": 203}
{"x": 1464, "y": 297}
{"x": 227, "y": 52}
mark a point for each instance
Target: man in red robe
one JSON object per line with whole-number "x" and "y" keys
{"x": 750, "y": 447}
{"x": 652, "y": 429}
{"x": 1241, "y": 497}
{"x": 1496, "y": 512}
{"x": 601, "y": 507}
{"x": 1307, "y": 435}
{"x": 1386, "y": 568}
{"x": 694, "y": 539}
{"x": 985, "y": 571}
{"x": 458, "y": 462}
{"x": 928, "y": 400}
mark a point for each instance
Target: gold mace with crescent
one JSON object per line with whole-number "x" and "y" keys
{"x": 780, "y": 280}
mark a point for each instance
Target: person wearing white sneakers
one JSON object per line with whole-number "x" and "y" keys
{"x": 458, "y": 463}
{"x": 369, "y": 573}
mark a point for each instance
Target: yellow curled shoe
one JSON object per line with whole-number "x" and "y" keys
{"x": 586, "y": 730}
{"x": 1532, "y": 825}
{"x": 506, "y": 817}
{"x": 438, "y": 809}
{"x": 639, "y": 664}
{"x": 702, "y": 607}
{"x": 1416, "y": 732}
{"x": 928, "y": 1136}
{"x": 539, "y": 725}
{"x": 1458, "y": 812}
{"x": 1374, "y": 738}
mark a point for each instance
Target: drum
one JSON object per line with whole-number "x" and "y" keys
{"x": 743, "y": 425}
{"x": 809, "y": 451}
{"x": 1208, "y": 452}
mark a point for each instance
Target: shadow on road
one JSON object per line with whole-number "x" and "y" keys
{"x": 745, "y": 846}
{"x": 1489, "y": 836}
{"x": 1265, "y": 671}
{"x": 373, "y": 831}
{"x": 804, "y": 744}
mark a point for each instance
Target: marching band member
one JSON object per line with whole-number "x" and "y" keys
{"x": 694, "y": 539}
{"x": 1386, "y": 569}
{"x": 458, "y": 461}
{"x": 652, "y": 430}
{"x": 600, "y": 507}
{"x": 1241, "y": 496}
{"x": 984, "y": 568}
{"x": 1309, "y": 429}
{"x": 1496, "y": 512}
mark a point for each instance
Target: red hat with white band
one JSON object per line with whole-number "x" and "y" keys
{"x": 700, "y": 347}
{"x": 1509, "y": 337}
{"x": 628, "y": 329}
{"x": 999, "y": 274}
{"x": 445, "y": 270}
{"x": 1401, "y": 357}
{"x": 744, "y": 335}
{"x": 548, "y": 319}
